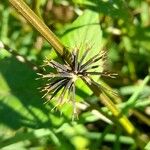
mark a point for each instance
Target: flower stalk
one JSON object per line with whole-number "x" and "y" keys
{"x": 21, "y": 6}
{"x": 27, "y": 13}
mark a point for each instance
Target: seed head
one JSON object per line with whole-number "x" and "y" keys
{"x": 64, "y": 80}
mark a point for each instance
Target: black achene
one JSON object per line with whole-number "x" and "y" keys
{"x": 66, "y": 75}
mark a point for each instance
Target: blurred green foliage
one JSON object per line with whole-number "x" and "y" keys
{"x": 122, "y": 27}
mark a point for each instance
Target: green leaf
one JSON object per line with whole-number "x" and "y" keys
{"x": 85, "y": 30}
{"x": 20, "y": 101}
{"x": 113, "y": 8}
{"x": 147, "y": 147}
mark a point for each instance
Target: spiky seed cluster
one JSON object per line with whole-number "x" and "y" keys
{"x": 66, "y": 75}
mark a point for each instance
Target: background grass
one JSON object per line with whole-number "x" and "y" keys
{"x": 122, "y": 27}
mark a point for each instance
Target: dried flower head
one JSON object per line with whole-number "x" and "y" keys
{"x": 66, "y": 75}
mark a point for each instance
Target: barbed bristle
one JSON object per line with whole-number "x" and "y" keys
{"x": 67, "y": 74}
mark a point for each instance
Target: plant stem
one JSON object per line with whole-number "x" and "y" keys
{"x": 113, "y": 108}
{"x": 132, "y": 100}
{"x": 135, "y": 103}
{"x": 142, "y": 117}
{"x": 21, "y": 6}
{"x": 60, "y": 48}
{"x": 19, "y": 57}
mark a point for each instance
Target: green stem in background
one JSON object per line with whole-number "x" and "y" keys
{"x": 35, "y": 134}
{"x": 21, "y": 6}
{"x": 132, "y": 100}
{"x": 142, "y": 117}
{"x": 139, "y": 104}
{"x": 4, "y": 25}
{"x": 39, "y": 133}
{"x": 138, "y": 114}
{"x": 36, "y": 4}
{"x": 19, "y": 57}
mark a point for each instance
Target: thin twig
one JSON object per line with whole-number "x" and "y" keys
{"x": 19, "y": 57}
